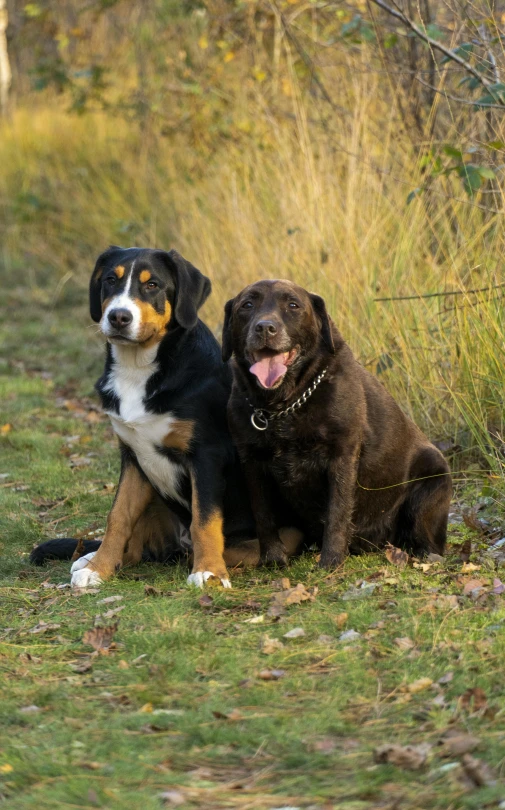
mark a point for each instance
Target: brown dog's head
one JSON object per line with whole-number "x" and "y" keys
{"x": 275, "y": 328}
{"x": 136, "y": 293}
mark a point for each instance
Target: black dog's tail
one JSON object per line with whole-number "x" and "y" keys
{"x": 60, "y": 549}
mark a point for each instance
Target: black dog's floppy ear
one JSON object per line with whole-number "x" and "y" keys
{"x": 227, "y": 349}
{"x": 95, "y": 284}
{"x": 321, "y": 312}
{"x": 192, "y": 289}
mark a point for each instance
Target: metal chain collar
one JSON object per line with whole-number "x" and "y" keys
{"x": 261, "y": 417}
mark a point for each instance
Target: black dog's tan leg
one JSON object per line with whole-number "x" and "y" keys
{"x": 338, "y": 525}
{"x": 133, "y": 495}
{"x": 207, "y": 484}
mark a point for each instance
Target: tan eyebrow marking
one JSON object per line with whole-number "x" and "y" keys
{"x": 145, "y": 276}
{"x": 119, "y": 271}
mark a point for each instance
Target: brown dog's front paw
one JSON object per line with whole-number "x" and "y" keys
{"x": 330, "y": 560}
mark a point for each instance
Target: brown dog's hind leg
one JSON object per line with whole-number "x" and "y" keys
{"x": 247, "y": 553}
{"x": 421, "y": 526}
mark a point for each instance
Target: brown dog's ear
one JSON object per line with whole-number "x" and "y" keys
{"x": 320, "y": 310}
{"x": 192, "y": 288}
{"x": 227, "y": 349}
{"x": 95, "y": 284}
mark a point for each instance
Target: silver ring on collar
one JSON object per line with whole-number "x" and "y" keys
{"x": 259, "y": 420}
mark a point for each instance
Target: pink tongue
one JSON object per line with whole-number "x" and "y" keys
{"x": 269, "y": 370}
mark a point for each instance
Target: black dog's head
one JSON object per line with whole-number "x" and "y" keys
{"x": 137, "y": 293}
{"x": 275, "y": 328}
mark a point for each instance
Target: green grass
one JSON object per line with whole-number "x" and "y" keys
{"x": 141, "y": 720}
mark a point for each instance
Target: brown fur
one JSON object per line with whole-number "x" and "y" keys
{"x": 180, "y": 436}
{"x": 119, "y": 271}
{"x": 338, "y": 467}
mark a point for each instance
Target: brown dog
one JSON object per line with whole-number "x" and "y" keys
{"x": 325, "y": 448}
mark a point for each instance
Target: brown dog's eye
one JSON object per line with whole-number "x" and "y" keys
{"x": 293, "y": 305}
{"x": 151, "y": 285}
{"x": 247, "y": 305}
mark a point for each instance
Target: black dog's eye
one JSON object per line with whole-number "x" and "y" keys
{"x": 293, "y": 305}
{"x": 247, "y": 305}
{"x": 111, "y": 280}
{"x": 151, "y": 285}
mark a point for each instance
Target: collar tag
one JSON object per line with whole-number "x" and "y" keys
{"x": 259, "y": 420}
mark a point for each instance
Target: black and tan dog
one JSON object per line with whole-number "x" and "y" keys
{"x": 165, "y": 389}
{"x": 323, "y": 445}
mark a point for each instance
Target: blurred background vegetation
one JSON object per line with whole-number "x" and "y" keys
{"x": 355, "y": 147}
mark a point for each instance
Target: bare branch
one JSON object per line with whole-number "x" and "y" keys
{"x": 433, "y": 43}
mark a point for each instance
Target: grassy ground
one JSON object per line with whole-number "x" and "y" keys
{"x": 178, "y": 706}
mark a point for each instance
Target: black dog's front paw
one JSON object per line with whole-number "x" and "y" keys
{"x": 274, "y": 555}
{"x": 330, "y": 560}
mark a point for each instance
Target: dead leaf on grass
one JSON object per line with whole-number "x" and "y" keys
{"x": 419, "y": 686}
{"x": 173, "y": 797}
{"x": 404, "y": 643}
{"x": 282, "y": 584}
{"x": 44, "y": 627}
{"x": 477, "y": 772}
{"x": 447, "y": 678}
{"x": 469, "y": 568}
{"x": 456, "y": 743}
{"x": 473, "y": 700}
{"x": 100, "y": 638}
{"x": 109, "y": 614}
{"x": 205, "y": 601}
{"x": 270, "y": 645}
{"x": 410, "y": 757}
{"x": 271, "y": 674}
{"x": 234, "y": 715}
{"x": 349, "y": 635}
{"x": 340, "y": 619}
{"x": 82, "y": 666}
{"x": 498, "y": 586}
{"x": 396, "y": 556}
{"x": 29, "y": 709}
{"x": 296, "y": 632}
{"x": 294, "y": 596}
{"x": 323, "y": 746}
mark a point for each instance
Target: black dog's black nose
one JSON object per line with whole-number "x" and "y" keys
{"x": 119, "y": 318}
{"x": 266, "y": 327}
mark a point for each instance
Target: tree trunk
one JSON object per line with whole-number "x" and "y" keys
{"x": 5, "y": 68}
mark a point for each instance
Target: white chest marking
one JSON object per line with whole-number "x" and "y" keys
{"x": 143, "y": 432}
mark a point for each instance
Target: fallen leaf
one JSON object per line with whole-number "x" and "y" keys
{"x": 205, "y": 601}
{"x": 396, "y": 556}
{"x": 349, "y": 635}
{"x": 271, "y": 674}
{"x": 255, "y": 620}
{"x": 30, "y": 709}
{"x": 282, "y": 584}
{"x": 419, "y": 686}
{"x": 270, "y": 645}
{"x": 404, "y": 643}
{"x": 498, "y": 586}
{"x": 323, "y": 746}
{"x": 410, "y": 757}
{"x": 365, "y": 589}
{"x": 5, "y": 429}
{"x": 435, "y": 558}
{"x": 147, "y": 708}
{"x": 296, "y": 632}
{"x": 293, "y": 596}
{"x": 44, "y": 627}
{"x": 340, "y": 619}
{"x": 173, "y": 797}
{"x": 473, "y": 699}
{"x": 473, "y": 587}
{"x": 456, "y": 743}
{"x": 109, "y": 614}
{"x": 275, "y": 611}
{"x": 84, "y": 666}
{"x": 6, "y": 768}
{"x": 100, "y": 638}
{"x": 233, "y": 715}
{"x": 90, "y": 766}
{"x": 150, "y": 590}
{"x": 324, "y": 639}
{"x": 447, "y": 678}
{"x": 79, "y": 461}
{"x": 469, "y": 568}
{"x": 478, "y": 772}
{"x": 425, "y": 567}
{"x": 109, "y": 599}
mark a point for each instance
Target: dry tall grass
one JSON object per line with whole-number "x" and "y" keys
{"x": 325, "y": 206}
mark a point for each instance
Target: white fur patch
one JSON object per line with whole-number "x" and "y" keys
{"x": 82, "y": 576}
{"x": 200, "y": 577}
{"x": 123, "y": 301}
{"x": 140, "y": 430}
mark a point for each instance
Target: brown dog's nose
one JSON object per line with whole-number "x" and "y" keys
{"x": 119, "y": 318}
{"x": 266, "y": 328}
